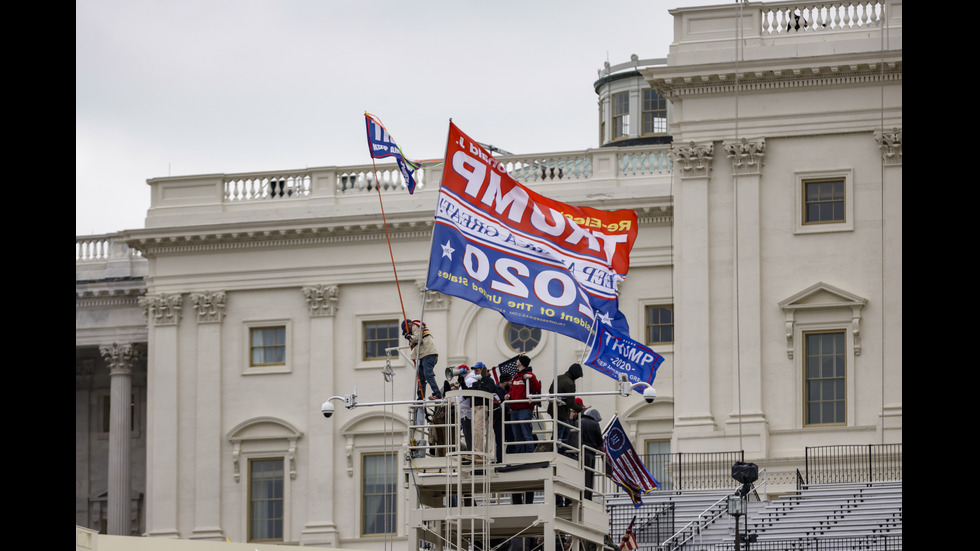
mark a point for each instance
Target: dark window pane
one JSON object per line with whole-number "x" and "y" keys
{"x": 379, "y": 335}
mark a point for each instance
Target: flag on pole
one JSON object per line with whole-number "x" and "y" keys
{"x": 626, "y": 469}
{"x": 537, "y": 261}
{"x": 614, "y": 353}
{"x": 381, "y": 145}
{"x": 628, "y": 543}
{"x": 507, "y": 367}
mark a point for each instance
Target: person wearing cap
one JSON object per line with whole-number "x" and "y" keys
{"x": 566, "y": 404}
{"x": 418, "y": 335}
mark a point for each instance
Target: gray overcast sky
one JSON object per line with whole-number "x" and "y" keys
{"x": 176, "y": 87}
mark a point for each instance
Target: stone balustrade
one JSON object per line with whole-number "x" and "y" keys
{"x": 102, "y": 248}
{"x": 796, "y": 17}
{"x": 333, "y": 192}
{"x": 783, "y": 30}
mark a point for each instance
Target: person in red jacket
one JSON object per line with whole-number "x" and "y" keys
{"x": 524, "y": 384}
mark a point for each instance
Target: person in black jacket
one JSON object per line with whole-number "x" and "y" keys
{"x": 500, "y": 413}
{"x": 591, "y": 438}
{"x": 566, "y": 404}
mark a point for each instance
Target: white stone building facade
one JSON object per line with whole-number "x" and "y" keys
{"x": 770, "y": 243}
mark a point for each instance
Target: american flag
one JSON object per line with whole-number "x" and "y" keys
{"x": 626, "y": 469}
{"x": 510, "y": 367}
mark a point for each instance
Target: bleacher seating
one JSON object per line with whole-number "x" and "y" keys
{"x": 843, "y": 512}
{"x": 848, "y": 510}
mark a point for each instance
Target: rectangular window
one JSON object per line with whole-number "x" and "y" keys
{"x": 658, "y": 461}
{"x": 825, "y": 377}
{"x": 379, "y": 335}
{"x": 267, "y": 346}
{"x": 654, "y": 113}
{"x": 660, "y": 324}
{"x": 824, "y": 201}
{"x": 621, "y": 115}
{"x": 265, "y": 499}
{"x": 378, "y": 493}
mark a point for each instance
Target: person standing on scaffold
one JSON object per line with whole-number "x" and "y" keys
{"x": 425, "y": 357}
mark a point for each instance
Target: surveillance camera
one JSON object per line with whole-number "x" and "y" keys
{"x": 649, "y": 394}
{"x": 327, "y": 409}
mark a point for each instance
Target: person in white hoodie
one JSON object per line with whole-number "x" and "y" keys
{"x": 466, "y": 409}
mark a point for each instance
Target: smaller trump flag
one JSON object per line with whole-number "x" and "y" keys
{"x": 625, "y": 468}
{"x": 614, "y": 354}
{"x": 382, "y": 145}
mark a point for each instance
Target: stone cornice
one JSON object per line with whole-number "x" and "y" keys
{"x": 656, "y": 215}
{"x": 767, "y": 75}
{"x": 107, "y": 298}
{"x": 204, "y": 239}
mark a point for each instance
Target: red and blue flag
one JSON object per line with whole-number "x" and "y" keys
{"x": 539, "y": 262}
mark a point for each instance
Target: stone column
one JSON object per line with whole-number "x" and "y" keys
{"x": 747, "y": 418}
{"x": 163, "y": 314}
{"x": 210, "y": 309}
{"x": 890, "y": 144}
{"x": 321, "y": 527}
{"x": 692, "y": 343}
{"x": 120, "y": 360}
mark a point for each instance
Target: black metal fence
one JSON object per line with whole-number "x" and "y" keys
{"x": 855, "y": 463}
{"x": 652, "y": 523}
{"x": 693, "y": 471}
{"x": 869, "y": 543}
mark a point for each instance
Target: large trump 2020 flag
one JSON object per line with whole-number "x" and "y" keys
{"x": 537, "y": 261}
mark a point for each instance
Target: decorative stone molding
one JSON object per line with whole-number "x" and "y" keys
{"x": 322, "y": 300}
{"x": 890, "y": 144}
{"x": 265, "y": 433}
{"x": 434, "y": 300}
{"x": 762, "y": 76}
{"x": 349, "y": 452}
{"x": 162, "y": 309}
{"x": 694, "y": 160}
{"x": 746, "y": 156}
{"x": 210, "y": 306}
{"x": 821, "y": 296}
{"x": 119, "y": 358}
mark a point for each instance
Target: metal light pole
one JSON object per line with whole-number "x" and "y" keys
{"x": 737, "y": 506}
